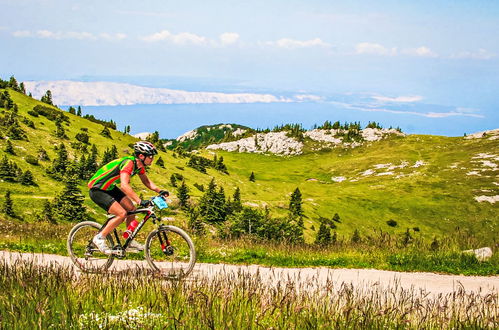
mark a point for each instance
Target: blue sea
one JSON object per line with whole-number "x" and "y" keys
{"x": 174, "y": 120}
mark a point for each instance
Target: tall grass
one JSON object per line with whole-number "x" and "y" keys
{"x": 45, "y": 297}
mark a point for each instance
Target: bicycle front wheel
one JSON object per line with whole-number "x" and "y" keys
{"x": 170, "y": 251}
{"x": 85, "y": 255}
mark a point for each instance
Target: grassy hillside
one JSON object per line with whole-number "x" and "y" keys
{"x": 436, "y": 196}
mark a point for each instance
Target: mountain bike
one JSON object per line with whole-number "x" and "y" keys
{"x": 168, "y": 249}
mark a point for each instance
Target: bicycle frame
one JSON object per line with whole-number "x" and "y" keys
{"x": 149, "y": 214}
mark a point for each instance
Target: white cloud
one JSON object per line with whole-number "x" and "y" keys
{"x": 59, "y": 35}
{"x": 292, "y": 43}
{"x": 374, "y": 49}
{"x": 481, "y": 54}
{"x": 398, "y": 99}
{"x": 182, "y": 38}
{"x": 229, "y": 38}
{"x": 308, "y": 98}
{"x": 422, "y": 51}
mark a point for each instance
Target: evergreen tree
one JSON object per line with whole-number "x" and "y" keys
{"x": 72, "y": 110}
{"x": 336, "y": 218}
{"x": 92, "y": 165}
{"x": 160, "y": 162}
{"x": 236, "y": 200}
{"x": 69, "y": 203}
{"x": 26, "y": 178}
{"x": 295, "y": 204}
{"x": 220, "y": 166}
{"x": 13, "y": 84}
{"x": 61, "y": 163}
{"x": 110, "y": 154}
{"x": 6, "y": 171}
{"x": 47, "y": 98}
{"x": 183, "y": 195}
{"x": 22, "y": 88}
{"x": 252, "y": 177}
{"x": 78, "y": 112}
{"x": 195, "y": 222}
{"x": 212, "y": 204}
{"x": 106, "y": 132}
{"x": 60, "y": 132}
{"x": 324, "y": 235}
{"x": 47, "y": 212}
{"x": 9, "y": 148}
{"x": 8, "y": 205}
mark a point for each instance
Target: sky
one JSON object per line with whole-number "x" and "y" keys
{"x": 407, "y": 56}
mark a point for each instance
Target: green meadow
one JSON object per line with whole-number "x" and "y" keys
{"x": 421, "y": 183}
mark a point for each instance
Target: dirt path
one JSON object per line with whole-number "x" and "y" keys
{"x": 308, "y": 277}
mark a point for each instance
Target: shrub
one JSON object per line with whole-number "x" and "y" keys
{"x": 199, "y": 187}
{"x": 31, "y": 160}
{"x": 391, "y": 223}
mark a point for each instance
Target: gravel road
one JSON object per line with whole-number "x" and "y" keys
{"x": 430, "y": 283}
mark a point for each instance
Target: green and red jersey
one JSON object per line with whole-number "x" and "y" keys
{"x": 108, "y": 176}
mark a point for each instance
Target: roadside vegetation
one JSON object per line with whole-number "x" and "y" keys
{"x": 33, "y": 296}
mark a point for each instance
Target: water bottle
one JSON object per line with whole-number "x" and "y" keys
{"x": 130, "y": 229}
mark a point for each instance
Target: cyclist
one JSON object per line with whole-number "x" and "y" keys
{"x": 105, "y": 193}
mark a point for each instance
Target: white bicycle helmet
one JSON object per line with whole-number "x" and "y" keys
{"x": 144, "y": 147}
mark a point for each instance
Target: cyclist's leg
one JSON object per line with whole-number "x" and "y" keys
{"x": 120, "y": 215}
{"x": 127, "y": 204}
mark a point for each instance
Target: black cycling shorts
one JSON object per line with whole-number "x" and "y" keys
{"x": 106, "y": 198}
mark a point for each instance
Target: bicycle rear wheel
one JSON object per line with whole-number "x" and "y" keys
{"x": 84, "y": 254}
{"x": 170, "y": 251}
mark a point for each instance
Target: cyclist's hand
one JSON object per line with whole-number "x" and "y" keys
{"x": 145, "y": 203}
{"x": 164, "y": 193}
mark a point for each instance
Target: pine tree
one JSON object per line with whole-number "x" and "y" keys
{"x": 6, "y": 171}
{"x": 78, "y": 112}
{"x": 173, "y": 180}
{"x": 22, "y": 88}
{"x": 26, "y": 178}
{"x": 183, "y": 195}
{"x": 252, "y": 177}
{"x": 8, "y": 205}
{"x": 336, "y": 218}
{"x": 212, "y": 204}
{"x": 72, "y": 110}
{"x": 61, "y": 162}
{"x": 220, "y": 166}
{"x": 47, "y": 212}
{"x": 160, "y": 162}
{"x": 91, "y": 166}
{"x": 106, "y": 132}
{"x": 295, "y": 204}
{"x": 9, "y": 148}
{"x": 236, "y": 205}
{"x": 47, "y": 98}
{"x": 60, "y": 132}
{"x": 70, "y": 201}
{"x": 323, "y": 235}
{"x": 195, "y": 222}
{"x": 110, "y": 154}
{"x": 13, "y": 84}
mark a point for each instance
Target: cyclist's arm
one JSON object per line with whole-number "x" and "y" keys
{"x": 127, "y": 189}
{"x": 148, "y": 183}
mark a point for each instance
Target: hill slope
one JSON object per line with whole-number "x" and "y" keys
{"x": 433, "y": 183}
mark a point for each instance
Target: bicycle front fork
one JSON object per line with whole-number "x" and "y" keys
{"x": 165, "y": 243}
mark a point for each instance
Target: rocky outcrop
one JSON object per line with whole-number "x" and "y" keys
{"x": 491, "y": 135}
{"x": 274, "y": 142}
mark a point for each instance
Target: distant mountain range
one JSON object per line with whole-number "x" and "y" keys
{"x": 67, "y": 92}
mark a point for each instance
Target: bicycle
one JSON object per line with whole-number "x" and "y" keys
{"x": 168, "y": 249}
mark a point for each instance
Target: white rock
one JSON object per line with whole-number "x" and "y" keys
{"x": 142, "y": 136}
{"x": 492, "y": 134}
{"x": 481, "y": 254}
{"x": 490, "y": 199}
{"x": 273, "y": 142}
{"x": 187, "y": 136}
{"x": 338, "y": 178}
{"x": 419, "y": 163}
